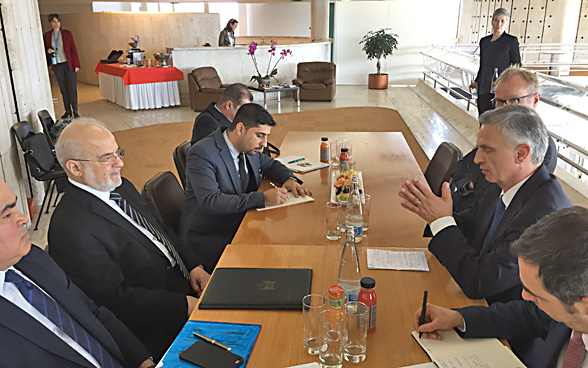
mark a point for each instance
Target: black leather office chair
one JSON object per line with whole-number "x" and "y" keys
{"x": 40, "y": 162}
{"x": 47, "y": 123}
{"x": 441, "y": 166}
{"x": 180, "y": 154}
{"x": 165, "y": 196}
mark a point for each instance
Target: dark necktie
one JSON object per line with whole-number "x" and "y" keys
{"x": 242, "y": 173}
{"x": 59, "y": 316}
{"x": 142, "y": 221}
{"x": 498, "y": 213}
{"x": 576, "y": 351}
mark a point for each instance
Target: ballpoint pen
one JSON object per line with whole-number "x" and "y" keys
{"x": 273, "y": 185}
{"x": 211, "y": 341}
{"x": 423, "y": 311}
{"x": 297, "y": 160}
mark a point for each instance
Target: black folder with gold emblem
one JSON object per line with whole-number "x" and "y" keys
{"x": 257, "y": 288}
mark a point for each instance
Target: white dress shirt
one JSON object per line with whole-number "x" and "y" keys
{"x": 105, "y": 197}
{"x": 446, "y": 221}
{"x": 10, "y": 292}
{"x": 234, "y": 153}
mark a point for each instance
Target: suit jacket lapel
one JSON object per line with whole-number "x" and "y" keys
{"x": 20, "y": 322}
{"x": 225, "y": 155}
{"x": 29, "y": 328}
{"x": 519, "y": 200}
{"x": 98, "y": 207}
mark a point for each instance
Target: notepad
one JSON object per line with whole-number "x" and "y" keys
{"x": 456, "y": 352}
{"x": 302, "y": 165}
{"x": 290, "y": 201}
{"x": 239, "y": 337}
{"x": 391, "y": 260}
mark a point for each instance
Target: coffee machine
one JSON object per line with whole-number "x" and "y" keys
{"x": 135, "y": 54}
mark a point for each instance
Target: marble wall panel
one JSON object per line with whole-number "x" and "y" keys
{"x": 30, "y": 86}
{"x": 582, "y": 35}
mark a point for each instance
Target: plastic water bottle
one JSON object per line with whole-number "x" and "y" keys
{"x": 354, "y": 215}
{"x": 349, "y": 272}
{"x": 494, "y": 81}
{"x": 474, "y": 94}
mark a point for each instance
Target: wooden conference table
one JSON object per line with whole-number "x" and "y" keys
{"x": 399, "y": 293}
{"x": 385, "y": 161}
{"x": 294, "y": 237}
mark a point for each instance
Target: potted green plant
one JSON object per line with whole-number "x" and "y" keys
{"x": 377, "y": 45}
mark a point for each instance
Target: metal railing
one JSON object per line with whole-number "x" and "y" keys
{"x": 454, "y": 67}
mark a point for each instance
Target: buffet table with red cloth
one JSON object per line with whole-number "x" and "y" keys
{"x": 139, "y": 88}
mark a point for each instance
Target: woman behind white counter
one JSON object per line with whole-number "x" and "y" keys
{"x": 227, "y": 35}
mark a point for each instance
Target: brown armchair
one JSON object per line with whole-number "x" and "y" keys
{"x": 316, "y": 81}
{"x": 205, "y": 86}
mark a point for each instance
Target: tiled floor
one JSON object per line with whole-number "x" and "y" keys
{"x": 429, "y": 127}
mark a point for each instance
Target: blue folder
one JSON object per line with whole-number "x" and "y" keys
{"x": 238, "y": 336}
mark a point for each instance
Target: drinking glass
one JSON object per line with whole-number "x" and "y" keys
{"x": 312, "y": 305}
{"x": 332, "y": 337}
{"x": 356, "y": 325}
{"x": 366, "y": 211}
{"x": 334, "y": 153}
{"x": 333, "y": 220}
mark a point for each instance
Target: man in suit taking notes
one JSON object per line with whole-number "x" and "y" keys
{"x": 222, "y": 113}
{"x": 107, "y": 240}
{"x": 46, "y": 320}
{"x": 473, "y": 244}
{"x": 553, "y": 263}
{"x": 223, "y": 174}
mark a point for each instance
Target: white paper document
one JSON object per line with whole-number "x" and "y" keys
{"x": 299, "y": 164}
{"x": 392, "y": 260}
{"x": 456, "y": 352}
{"x": 424, "y": 365}
{"x": 289, "y": 202}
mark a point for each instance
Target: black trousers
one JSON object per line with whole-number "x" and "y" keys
{"x": 484, "y": 102}
{"x": 67, "y": 80}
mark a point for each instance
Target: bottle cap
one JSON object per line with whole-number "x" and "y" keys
{"x": 336, "y": 290}
{"x": 368, "y": 283}
{"x": 324, "y": 139}
{"x": 344, "y": 149}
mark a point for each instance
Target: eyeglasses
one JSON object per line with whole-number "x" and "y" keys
{"x": 497, "y": 102}
{"x": 108, "y": 158}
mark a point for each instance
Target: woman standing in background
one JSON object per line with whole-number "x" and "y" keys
{"x": 498, "y": 50}
{"x": 227, "y": 35}
{"x": 65, "y": 64}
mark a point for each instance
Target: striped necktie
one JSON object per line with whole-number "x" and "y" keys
{"x": 576, "y": 351}
{"x": 59, "y": 316}
{"x": 143, "y": 222}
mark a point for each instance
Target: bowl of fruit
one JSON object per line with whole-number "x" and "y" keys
{"x": 342, "y": 185}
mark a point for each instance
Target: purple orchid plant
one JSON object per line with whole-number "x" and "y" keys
{"x": 272, "y": 51}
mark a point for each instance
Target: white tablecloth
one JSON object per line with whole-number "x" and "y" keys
{"x": 138, "y": 96}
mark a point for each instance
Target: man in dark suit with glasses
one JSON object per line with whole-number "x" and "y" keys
{"x": 111, "y": 245}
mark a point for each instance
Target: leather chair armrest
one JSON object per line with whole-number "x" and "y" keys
{"x": 329, "y": 81}
{"x": 298, "y": 81}
{"x": 192, "y": 83}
